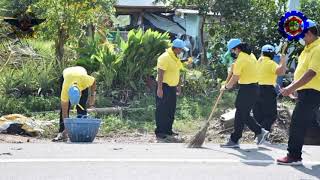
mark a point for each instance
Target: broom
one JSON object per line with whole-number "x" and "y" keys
{"x": 198, "y": 139}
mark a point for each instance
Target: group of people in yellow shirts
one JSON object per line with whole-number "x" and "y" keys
{"x": 257, "y": 80}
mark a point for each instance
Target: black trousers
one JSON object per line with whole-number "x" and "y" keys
{"x": 265, "y": 109}
{"x": 246, "y": 98}
{"x": 303, "y": 114}
{"x": 83, "y": 103}
{"x": 165, "y": 110}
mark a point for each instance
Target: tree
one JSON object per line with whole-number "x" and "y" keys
{"x": 250, "y": 20}
{"x": 12, "y": 8}
{"x": 254, "y": 21}
{"x": 66, "y": 19}
{"x": 311, "y": 8}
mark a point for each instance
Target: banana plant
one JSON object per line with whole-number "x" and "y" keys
{"x": 110, "y": 63}
{"x": 140, "y": 55}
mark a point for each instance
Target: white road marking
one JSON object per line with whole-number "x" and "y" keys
{"x": 143, "y": 160}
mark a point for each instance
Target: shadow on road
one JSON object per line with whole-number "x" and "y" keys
{"x": 313, "y": 171}
{"x": 276, "y": 146}
{"x": 254, "y": 154}
{"x": 251, "y": 156}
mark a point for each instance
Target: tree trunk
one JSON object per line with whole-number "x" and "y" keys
{"x": 59, "y": 45}
{"x": 91, "y": 30}
{"x": 204, "y": 59}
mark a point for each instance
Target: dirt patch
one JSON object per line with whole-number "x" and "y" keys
{"x": 280, "y": 130}
{"x": 7, "y": 138}
{"x": 215, "y": 134}
{"x": 115, "y": 138}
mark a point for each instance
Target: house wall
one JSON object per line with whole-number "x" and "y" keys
{"x": 192, "y": 23}
{"x": 193, "y": 28}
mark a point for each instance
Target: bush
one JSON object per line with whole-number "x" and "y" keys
{"x": 110, "y": 61}
{"x": 9, "y": 105}
{"x": 197, "y": 82}
{"x": 86, "y": 55}
{"x": 19, "y": 83}
{"x": 32, "y": 84}
{"x": 29, "y": 80}
{"x": 140, "y": 55}
{"x": 35, "y": 104}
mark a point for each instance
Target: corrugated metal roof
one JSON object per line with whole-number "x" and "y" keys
{"x": 191, "y": 11}
{"x": 139, "y": 3}
{"x": 164, "y": 24}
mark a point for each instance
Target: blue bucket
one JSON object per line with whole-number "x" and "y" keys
{"x": 82, "y": 129}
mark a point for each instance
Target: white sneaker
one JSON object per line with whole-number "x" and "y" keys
{"x": 262, "y": 136}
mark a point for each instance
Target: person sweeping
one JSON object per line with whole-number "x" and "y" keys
{"x": 75, "y": 85}
{"x": 245, "y": 73}
{"x": 265, "y": 109}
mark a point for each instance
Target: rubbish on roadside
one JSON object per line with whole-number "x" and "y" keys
{"x": 19, "y": 124}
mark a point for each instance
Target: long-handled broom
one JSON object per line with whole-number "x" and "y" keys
{"x": 198, "y": 139}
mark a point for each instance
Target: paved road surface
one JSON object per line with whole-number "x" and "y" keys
{"x": 95, "y": 161}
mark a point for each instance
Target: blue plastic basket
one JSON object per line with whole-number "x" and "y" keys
{"x": 82, "y": 129}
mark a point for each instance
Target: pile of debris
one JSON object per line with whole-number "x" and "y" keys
{"x": 17, "y": 124}
{"x": 223, "y": 126}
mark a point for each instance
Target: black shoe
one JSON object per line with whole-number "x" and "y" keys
{"x": 61, "y": 137}
{"x": 230, "y": 144}
{"x": 161, "y": 135}
{"x": 172, "y": 133}
{"x": 170, "y": 139}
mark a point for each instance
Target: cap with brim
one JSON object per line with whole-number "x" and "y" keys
{"x": 232, "y": 43}
{"x": 178, "y": 43}
{"x": 268, "y": 48}
{"x": 311, "y": 23}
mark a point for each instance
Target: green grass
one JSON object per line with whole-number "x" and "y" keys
{"x": 190, "y": 114}
{"x": 49, "y": 131}
{"x": 44, "y": 48}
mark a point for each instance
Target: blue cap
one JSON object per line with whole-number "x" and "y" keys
{"x": 232, "y": 43}
{"x": 311, "y": 23}
{"x": 268, "y": 48}
{"x": 74, "y": 95}
{"x": 178, "y": 43}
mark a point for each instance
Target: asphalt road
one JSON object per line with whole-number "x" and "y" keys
{"x": 95, "y": 161}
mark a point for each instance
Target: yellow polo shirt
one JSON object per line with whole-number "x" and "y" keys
{"x": 171, "y": 65}
{"x": 75, "y": 75}
{"x": 267, "y": 71}
{"x": 245, "y": 67}
{"x": 309, "y": 59}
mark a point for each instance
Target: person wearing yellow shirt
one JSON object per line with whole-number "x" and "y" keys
{"x": 307, "y": 84}
{"x": 75, "y": 85}
{"x": 230, "y": 64}
{"x": 168, "y": 87}
{"x": 265, "y": 109}
{"x": 245, "y": 73}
